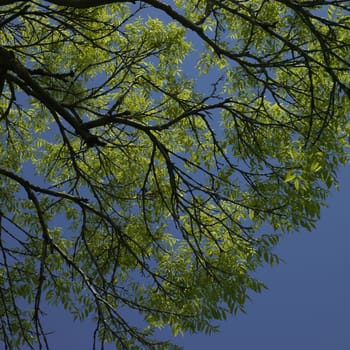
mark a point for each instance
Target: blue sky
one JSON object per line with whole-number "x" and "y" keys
{"x": 307, "y": 305}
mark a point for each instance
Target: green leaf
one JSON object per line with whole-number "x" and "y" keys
{"x": 290, "y": 176}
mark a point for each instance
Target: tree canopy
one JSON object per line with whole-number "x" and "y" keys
{"x": 153, "y": 152}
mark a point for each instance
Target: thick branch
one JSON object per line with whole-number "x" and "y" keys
{"x": 84, "y": 4}
{"x": 30, "y": 86}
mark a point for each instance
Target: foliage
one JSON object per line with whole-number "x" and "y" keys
{"x": 152, "y": 153}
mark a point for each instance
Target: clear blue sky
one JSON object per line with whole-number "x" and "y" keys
{"x": 307, "y": 306}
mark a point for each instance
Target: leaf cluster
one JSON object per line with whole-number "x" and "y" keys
{"x": 152, "y": 153}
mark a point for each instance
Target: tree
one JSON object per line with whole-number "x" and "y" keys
{"x": 153, "y": 152}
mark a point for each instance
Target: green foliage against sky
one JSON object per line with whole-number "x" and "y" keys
{"x": 153, "y": 152}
